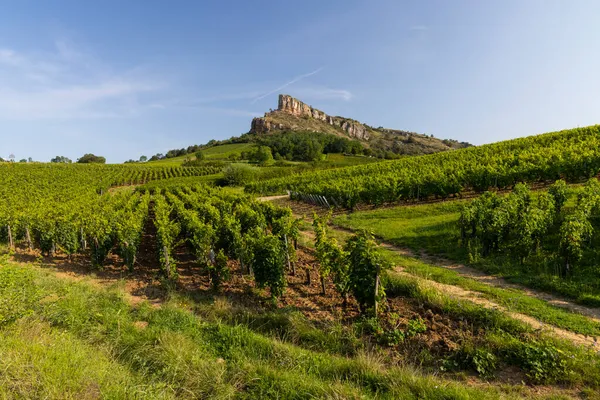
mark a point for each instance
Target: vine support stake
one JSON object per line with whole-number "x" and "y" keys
{"x": 287, "y": 256}
{"x": 10, "y": 238}
{"x": 28, "y": 239}
{"x": 376, "y": 302}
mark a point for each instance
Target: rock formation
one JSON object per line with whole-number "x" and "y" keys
{"x": 294, "y": 107}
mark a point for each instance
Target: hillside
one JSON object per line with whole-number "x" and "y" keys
{"x": 572, "y": 155}
{"x": 294, "y": 115}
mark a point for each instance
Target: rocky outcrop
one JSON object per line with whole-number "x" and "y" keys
{"x": 294, "y": 107}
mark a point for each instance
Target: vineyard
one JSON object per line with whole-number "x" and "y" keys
{"x": 571, "y": 155}
{"x": 242, "y": 283}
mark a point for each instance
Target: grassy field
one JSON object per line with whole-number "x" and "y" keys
{"x": 221, "y": 152}
{"x": 64, "y": 338}
{"x": 343, "y": 160}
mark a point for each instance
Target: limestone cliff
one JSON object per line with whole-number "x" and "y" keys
{"x": 294, "y": 115}
{"x": 289, "y": 106}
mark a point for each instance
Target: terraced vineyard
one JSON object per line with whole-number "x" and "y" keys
{"x": 572, "y": 155}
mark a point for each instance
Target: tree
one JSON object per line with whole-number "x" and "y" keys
{"x": 261, "y": 155}
{"x": 61, "y": 159}
{"x": 143, "y": 159}
{"x": 239, "y": 175}
{"x": 91, "y": 159}
{"x": 23, "y": 160}
{"x": 200, "y": 155}
{"x": 156, "y": 157}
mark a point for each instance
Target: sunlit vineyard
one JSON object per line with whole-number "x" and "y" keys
{"x": 68, "y": 206}
{"x": 572, "y": 155}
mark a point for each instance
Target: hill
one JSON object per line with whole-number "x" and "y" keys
{"x": 294, "y": 115}
{"x": 571, "y": 155}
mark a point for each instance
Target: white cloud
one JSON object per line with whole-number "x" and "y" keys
{"x": 67, "y": 83}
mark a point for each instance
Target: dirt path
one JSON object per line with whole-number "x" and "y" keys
{"x": 271, "y": 198}
{"x": 472, "y": 273}
{"x": 468, "y": 272}
{"x": 477, "y": 298}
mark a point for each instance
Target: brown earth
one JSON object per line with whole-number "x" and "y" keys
{"x": 303, "y": 210}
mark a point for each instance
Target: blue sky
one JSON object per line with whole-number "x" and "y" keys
{"x": 126, "y": 78}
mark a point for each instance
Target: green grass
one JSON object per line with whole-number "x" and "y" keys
{"x": 501, "y": 335}
{"x": 70, "y": 339}
{"x": 430, "y": 227}
{"x": 343, "y": 160}
{"x": 433, "y": 228}
{"x": 221, "y": 152}
{"x": 512, "y": 299}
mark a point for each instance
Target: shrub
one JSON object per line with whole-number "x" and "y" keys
{"x": 239, "y": 175}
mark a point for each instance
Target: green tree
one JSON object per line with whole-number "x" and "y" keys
{"x": 261, "y": 155}
{"x": 91, "y": 158}
{"x": 199, "y": 155}
{"x": 239, "y": 175}
{"x": 61, "y": 159}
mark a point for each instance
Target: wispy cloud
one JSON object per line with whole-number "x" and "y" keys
{"x": 296, "y": 79}
{"x": 323, "y": 93}
{"x": 67, "y": 83}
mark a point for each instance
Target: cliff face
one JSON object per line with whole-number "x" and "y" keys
{"x": 294, "y": 115}
{"x": 289, "y": 106}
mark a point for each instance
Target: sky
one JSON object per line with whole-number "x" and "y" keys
{"x": 123, "y": 79}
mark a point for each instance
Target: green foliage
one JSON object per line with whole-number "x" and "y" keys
{"x": 559, "y": 191}
{"x": 542, "y": 361}
{"x": 239, "y": 174}
{"x": 268, "y": 264}
{"x": 167, "y": 231}
{"x": 482, "y": 361}
{"x": 199, "y": 155}
{"x": 219, "y": 271}
{"x": 91, "y": 158}
{"x": 331, "y": 257}
{"x": 18, "y": 295}
{"x": 366, "y": 266}
{"x": 61, "y": 159}
{"x": 261, "y": 155}
{"x": 415, "y": 326}
{"x": 514, "y": 224}
{"x": 129, "y": 226}
{"x": 228, "y": 235}
{"x": 572, "y": 155}
{"x": 308, "y": 146}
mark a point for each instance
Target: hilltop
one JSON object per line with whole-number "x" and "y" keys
{"x": 296, "y": 122}
{"x": 296, "y": 116}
